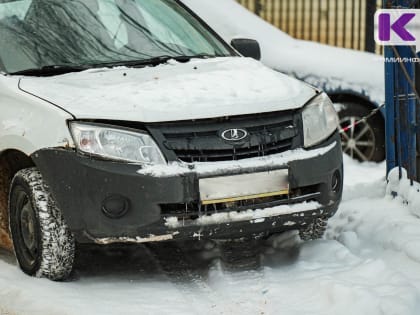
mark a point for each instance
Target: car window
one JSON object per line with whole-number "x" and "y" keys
{"x": 110, "y": 16}
{"x": 37, "y": 33}
{"x": 125, "y": 20}
{"x": 172, "y": 30}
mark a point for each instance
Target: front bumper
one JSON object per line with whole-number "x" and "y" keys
{"x": 162, "y": 203}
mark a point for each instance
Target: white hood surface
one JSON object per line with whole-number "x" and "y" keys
{"x": 175, "y": 91}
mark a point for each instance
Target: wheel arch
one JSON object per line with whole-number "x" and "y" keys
{"x": 377, "y": 122}
{"x": 342, "y": 97}
{"x": 11, "y": 161}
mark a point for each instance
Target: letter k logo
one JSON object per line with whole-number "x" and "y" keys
{"x": 399, "y": 27}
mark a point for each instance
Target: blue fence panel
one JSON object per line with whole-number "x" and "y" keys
{"x": 401, "y": 103}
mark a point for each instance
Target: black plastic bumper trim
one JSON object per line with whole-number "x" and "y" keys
{"x": 81, "y": 184}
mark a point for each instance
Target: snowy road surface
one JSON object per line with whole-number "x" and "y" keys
{"x": 368, "y": 264}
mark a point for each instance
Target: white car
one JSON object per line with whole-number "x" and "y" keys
{"x": 131, "y": 121}
{"x": 354, "y": 80}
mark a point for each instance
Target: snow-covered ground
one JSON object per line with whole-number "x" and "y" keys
{"x": 369, "y": 263}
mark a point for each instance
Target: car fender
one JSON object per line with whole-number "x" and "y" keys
{"x": 28, "y": 123}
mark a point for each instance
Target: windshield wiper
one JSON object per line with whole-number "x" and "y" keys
{"x": 133, "y": 63}
{"x": 51, "y": 70}
{"x": 151, "y": 61}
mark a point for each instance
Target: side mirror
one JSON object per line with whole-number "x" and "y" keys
{"x": 247, "y": 47}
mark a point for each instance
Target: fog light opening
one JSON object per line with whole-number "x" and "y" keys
{"x": 336, "y": 182}
{"x": 115, "y": 207}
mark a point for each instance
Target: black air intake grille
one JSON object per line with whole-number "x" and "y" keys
{"x": 201, "y": 140}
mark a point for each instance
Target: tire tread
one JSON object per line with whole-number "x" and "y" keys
{"x": 314, "y": 230}
{"x": 57, "y": 242}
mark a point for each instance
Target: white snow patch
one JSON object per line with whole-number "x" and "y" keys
{"x": 365, "y": 179}
{"x": 206, "y": 169}
{"x": 407, "y": 193}
{"x": 198, "y": 89}
{"x": 136, "y": 240}
{"x": 249, "y": 215}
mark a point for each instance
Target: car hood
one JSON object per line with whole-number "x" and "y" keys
{"x": 174, "y": 91}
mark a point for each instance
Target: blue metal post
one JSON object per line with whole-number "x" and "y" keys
{"x": 391, "y": 154}
{"x": 405, "y": 103}
{"x": 400, "y": 105}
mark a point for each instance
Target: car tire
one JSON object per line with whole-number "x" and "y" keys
{"x": 43, "y": 244}
{"x": 366, "y": 142}
{"x": 314, "y": 231}
{"x": 238, "y": 255}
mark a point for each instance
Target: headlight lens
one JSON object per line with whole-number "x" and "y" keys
{"x": 116, "y": 144}
{"x": 320, "y": 120}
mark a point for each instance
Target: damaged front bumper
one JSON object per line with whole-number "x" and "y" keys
{"x": 107, "y": 202}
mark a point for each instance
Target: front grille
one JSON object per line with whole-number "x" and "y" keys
{"x": 201, "y": 140}
{"x": 232, "y": 154}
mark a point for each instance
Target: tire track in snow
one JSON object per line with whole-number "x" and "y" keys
{"x": 191, "y": 280}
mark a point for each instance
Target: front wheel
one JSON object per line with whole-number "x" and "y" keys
{"x": 366, "y": 141}
{"x": 43, "y": 244}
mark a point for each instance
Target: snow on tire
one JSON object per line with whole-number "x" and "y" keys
{"x": 314, "y": 230}
{"x": 43, "y": 243}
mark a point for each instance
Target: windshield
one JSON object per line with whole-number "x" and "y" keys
{"x": 39, "y": 33}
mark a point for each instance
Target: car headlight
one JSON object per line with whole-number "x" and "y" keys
{"x": 116, "y": 143}
{"x": 320, "y": 120}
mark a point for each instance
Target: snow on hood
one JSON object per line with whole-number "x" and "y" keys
{"x": 175, "y": 91}
{"x": 327, "y": 67}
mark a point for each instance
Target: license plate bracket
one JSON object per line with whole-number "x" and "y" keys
{"x": 233, "y": 188}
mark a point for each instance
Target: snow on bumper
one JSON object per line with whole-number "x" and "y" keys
{"x": 254, "y": 216}
{"x": 208, "y": 169}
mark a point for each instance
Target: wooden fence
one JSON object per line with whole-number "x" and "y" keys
{"x": 343, "y": 23}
